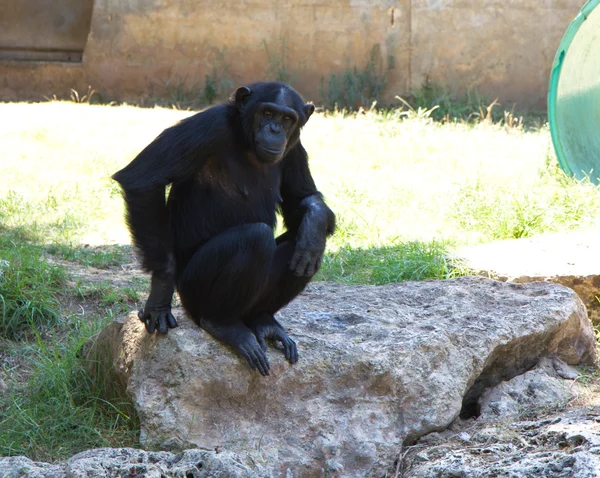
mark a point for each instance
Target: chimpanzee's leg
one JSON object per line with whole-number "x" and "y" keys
{"x": 281, "y": 287}
{"x": 224, "y": 280}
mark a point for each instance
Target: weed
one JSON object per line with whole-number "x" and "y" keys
{"x": 355, "y": 88}
{"x": 472, "y": 106}
{"x": 215, "y": 87}
{"x": 469, "y": 107}
{"x": 86, "y": 98}
{"x": 58, "y": 411}
{"x": 28, "y": 288}
{"x": 218, "y": 83}
{"x": 182, "y": 95}
{"x": 277, "y": 69}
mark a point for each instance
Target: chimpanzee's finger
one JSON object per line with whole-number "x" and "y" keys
{"x": 150, "y": 323}
{"x": 293, "y": 265}
{"x": 171, "y": 322}
{"x": 162, "y": 323}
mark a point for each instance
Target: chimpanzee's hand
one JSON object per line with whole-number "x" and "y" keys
{"x": 157, "y": 312}
{"x": 310, "y": 243}
{"x": 157, "y": 318}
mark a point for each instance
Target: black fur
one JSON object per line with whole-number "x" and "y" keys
{"x": 230, "y": 168}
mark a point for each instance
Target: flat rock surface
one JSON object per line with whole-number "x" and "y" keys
{"x": 548, "y": 255}
{"x": 570, "y": 259}
{"x": 565, "y": 445}
{"x": 379, "y": 367}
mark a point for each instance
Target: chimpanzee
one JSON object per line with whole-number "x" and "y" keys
{"x": 231, "y": 168}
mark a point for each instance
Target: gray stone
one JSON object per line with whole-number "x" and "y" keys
{"x": 564, "y": 370}
{"x": 113, "y": 462}
{"x": 129, "y": 462}
{"x": 19, "y": 466}
{"x": 379, "y": 367}
{"x": 560, "y": 447}
{"x": 530, "y": 392}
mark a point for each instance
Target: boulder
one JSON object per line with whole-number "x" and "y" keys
{"x": 379, "y": 367}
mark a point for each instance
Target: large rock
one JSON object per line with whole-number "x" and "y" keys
{"x": 379, "y": 367}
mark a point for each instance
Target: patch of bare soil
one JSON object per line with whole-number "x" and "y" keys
{"x": 117, "y": 276}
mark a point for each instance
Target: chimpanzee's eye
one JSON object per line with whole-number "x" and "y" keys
{"x": 287, "y": 118}
{"x": 268, "y": 113}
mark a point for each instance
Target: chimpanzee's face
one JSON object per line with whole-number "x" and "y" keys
{"x": 277, "y": 114}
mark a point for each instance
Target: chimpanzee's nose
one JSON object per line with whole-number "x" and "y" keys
{"x": 275, "y": 127}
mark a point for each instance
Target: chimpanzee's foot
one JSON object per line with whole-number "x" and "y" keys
{"x": 243, "y": 341}
{"x": 157, "y": 318}
{"x": 265, "y": 326}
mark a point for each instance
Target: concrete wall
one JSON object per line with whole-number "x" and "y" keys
{"x": 135, "y": 48}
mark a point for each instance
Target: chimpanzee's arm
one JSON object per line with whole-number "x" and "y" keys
{"x": 305, "y": 213}
{"x": 176, "y": 154}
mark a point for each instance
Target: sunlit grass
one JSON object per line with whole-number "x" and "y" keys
{"x": 419, "y": 180}
{"x": 388, "y": 179}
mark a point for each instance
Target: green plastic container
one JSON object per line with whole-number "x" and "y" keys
{"x": 574, "y": 96}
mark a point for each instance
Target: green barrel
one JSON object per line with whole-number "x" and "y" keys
{"x": 574, "y": 96}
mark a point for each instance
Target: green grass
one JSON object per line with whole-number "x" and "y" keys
{"x": 100, "y": 258}
{"x": 413, "y": 260}
{"x": 58, "y": 411}
{"x": 28, "y": 287}
{"x": 107, "y": 295}
{"x": 52, "y": 409}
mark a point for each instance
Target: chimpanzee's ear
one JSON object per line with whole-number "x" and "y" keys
{"x": 308, "y": 110}
{"x": 241, "y": 94}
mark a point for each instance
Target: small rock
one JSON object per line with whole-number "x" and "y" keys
{"x": 19, "y": 466}
{"x": 555, "y": 367}
{"x": 558, "y": 447}
{"x": 533, "y": 391}
{"x": 565, "y": 371}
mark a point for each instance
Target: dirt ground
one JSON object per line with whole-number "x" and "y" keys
{"x": 571, "y": 259}
{"x": 549, "y": 255}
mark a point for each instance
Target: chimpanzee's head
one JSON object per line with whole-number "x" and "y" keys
{"x": 272, "y": 115}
